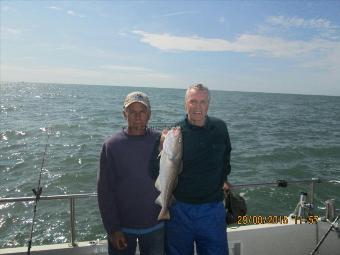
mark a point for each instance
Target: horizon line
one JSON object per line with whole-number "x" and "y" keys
{"x": 145, "y": 86}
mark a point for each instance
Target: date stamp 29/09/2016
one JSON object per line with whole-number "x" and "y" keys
{"x": 274, "y": 219}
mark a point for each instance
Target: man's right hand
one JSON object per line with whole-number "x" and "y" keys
{"x": 118, "y": 240}
{"x": 163, "y": 135}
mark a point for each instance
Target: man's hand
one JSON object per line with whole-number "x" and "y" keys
{"x": 164, "y": 133}
{"x": 118, "y": 240}
{"x": 226, "y": 186}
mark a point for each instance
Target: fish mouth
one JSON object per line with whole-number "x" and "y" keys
{"x": 177, "y": 130}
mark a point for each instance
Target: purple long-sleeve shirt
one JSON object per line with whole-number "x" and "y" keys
{"x": 126, "y": 192}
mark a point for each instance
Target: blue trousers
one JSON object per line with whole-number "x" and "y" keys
{"x": 204, "y": 224}
{"x": 149, "y": 244}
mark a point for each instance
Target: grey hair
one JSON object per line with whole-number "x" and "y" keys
{"x": 197, "y": 86}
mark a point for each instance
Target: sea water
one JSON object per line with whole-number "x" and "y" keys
{"x": 273, "y": 136}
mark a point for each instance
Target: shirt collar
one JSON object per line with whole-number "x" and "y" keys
{"x": 207, "y": 124}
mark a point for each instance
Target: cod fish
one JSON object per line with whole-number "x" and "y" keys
{"x": 169, "y": 167}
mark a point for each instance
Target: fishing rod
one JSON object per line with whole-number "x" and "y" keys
{"x": 37, "y": 192}
{"x": 325, "y": 235}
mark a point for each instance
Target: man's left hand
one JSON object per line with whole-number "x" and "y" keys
{"x": 226, "y": 186}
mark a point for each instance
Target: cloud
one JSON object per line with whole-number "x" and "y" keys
{"x": 104, "y": 75}
{"x": 221, "y": 20}
{"x": 65, "y": 47}
{"x": 135, "y": 71}
{"x": 246, "y": 43}
{"x": 181, "y": 43}
{"x": 46, "y": 74}
{"x": 54, "y": 8}
{"x": 69, "y": 12}
{"x": 330, "y": 61}
{"x": 120, "y": 68}
{"x": 9, "y": 33}
{"x": 178, "y": 13}
{"x": 323, "y": 27}
{"x": 299, "y": 22}
{"x": 73, "y": 13}
{"x": 6, "y": 8}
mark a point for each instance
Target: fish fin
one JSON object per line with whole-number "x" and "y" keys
{"x": 158, "y": 184}
{"x": 164, "y": 215}
{"x": 158, "y": 200}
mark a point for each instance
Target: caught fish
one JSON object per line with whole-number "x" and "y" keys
{"x": 169, "y": 167}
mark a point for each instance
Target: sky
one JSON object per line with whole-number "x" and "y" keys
{"x": 256, "y": 46}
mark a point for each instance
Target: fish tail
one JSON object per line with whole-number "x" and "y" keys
{"x": 158, "y": 184}
{"x": 164, "y": 215}
{"x": 159, "y": 200}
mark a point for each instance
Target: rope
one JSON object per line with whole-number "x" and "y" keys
{"x": 37, "y": 192}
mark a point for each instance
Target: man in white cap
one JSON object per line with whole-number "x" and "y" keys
{"x": 126, "y": 192}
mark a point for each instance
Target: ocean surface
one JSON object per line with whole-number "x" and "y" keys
{"x": 274, "y": 136}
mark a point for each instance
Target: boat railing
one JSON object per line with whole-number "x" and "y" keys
{"x": 72, "y": 198}
{"x": 72, "y": 201}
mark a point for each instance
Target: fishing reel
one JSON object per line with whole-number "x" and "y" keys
{"x": 303, "y": 209}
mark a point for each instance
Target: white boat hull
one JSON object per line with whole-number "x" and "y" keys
{"x": 291, "y": 239}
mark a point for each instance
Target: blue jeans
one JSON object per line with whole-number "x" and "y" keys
{"x": 203, "y": 224}
{"x": 149, "y": 244}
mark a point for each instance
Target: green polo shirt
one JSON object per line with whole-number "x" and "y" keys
{"x": 206, "y": 161}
